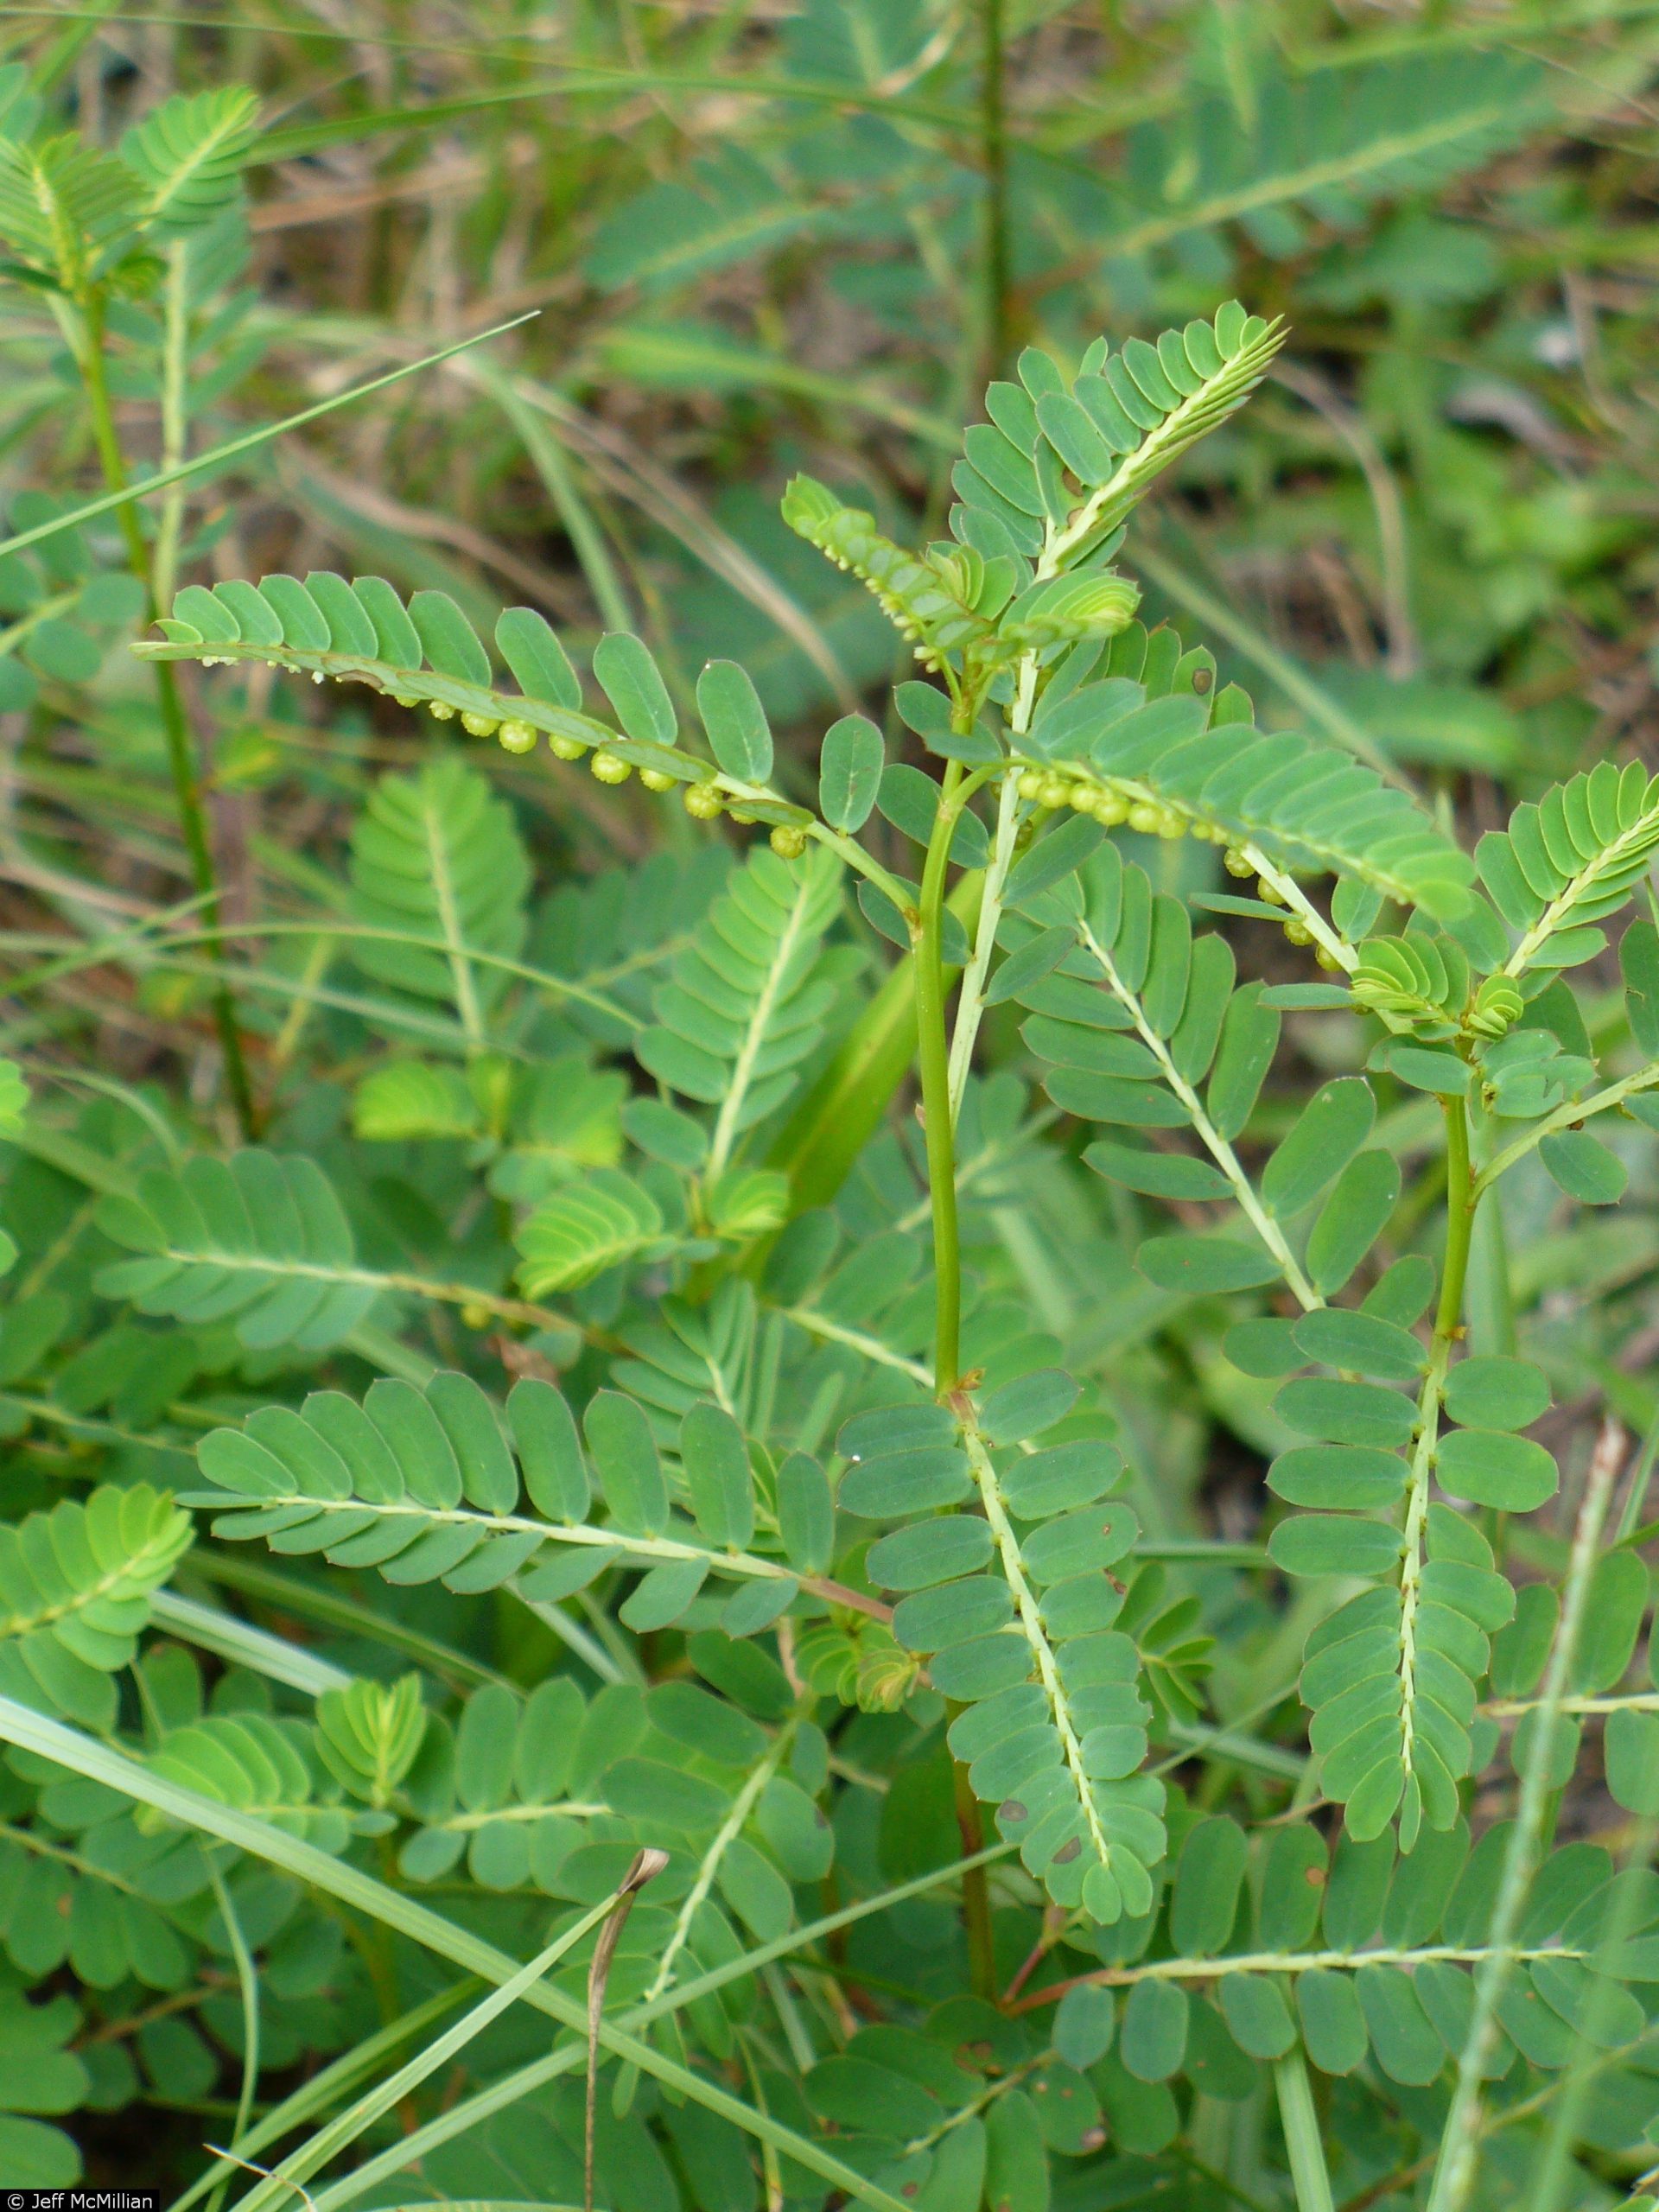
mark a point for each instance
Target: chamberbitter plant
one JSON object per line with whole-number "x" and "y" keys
{"x": 849, "y": 1616}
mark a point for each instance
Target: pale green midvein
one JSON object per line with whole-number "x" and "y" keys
{"x": 1508, "y": 1708}
{"x": 754, "y": 1037}
{"x": 742, "y": 1805}
{"x": 1290, "y": 1962}
{"x": 466, "y": 1006}
{"x": 410, "y": 688}
{"x": 38, "y": 1844}
{"x": 113, "y": 1579}
{"x": 615, "y": 1540}
{"x": 970, "y": 1004}
{"x": 1216, "y": 1145}
{"x": 1174, "y": 431}
{"x": 1567, "y": 1117}
{"x": 446, "y": 1293}
{"x": 1411, "y": 1565}
{"x": 818, "y": 1324}
{"x": 1297, "y": 902}
{"x": 465, "y": 1823}
{"x": 1031, "y": 1626}
{"x": 1561, "y": 905}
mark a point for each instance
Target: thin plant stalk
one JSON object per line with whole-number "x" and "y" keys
{"x": 1454, "y": 2173}
{"x": 933, "y": 1056}
{"x": 1301, "y": 2121}
{"x": 182, "y": 757}
{"x": 248, "y": 1982}
{"x": 975, "y": 1889}
{"x": 994, "y": 154}
{"x": 1553, "y": 2175}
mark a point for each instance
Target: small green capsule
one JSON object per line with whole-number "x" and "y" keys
{"x": 1146, "y": 817}
{"x": 1055, "y": 790}
{"x": 1236, "y": 864}
{"x": 1327, "y": 959}
{"x": 1030, "y": 783}
{"x": 1297, "y": 932}
{"x": 1111, "y": 808}
{"x": 1269, "y": 892}
{"x": 567, "y": 748}
{"x": 608, "y": 767}
{"x": 517, "y": 736}
{"x": 478, "y": 724}
{"x": 704, "y": 803}
{"x": 439, "y": 712}
{"x": 788, "y": 840}
{"x": 1172, "y": 825}
{"x": 657, "y": 779}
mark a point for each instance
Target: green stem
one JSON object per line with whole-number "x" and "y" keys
{"x": 247, "y": 1979}
{"x": 934, "y": 1057}
{"x": 975, "y": 1890}
{"x": 1462, "y": 1195}
{"x": 1308, "y": 2172}
{"x": 180, "y": 750}
{"x": 970, "y": 1003}
{"x": 994, "y": 156}
{"x": 1461, "y": 1200}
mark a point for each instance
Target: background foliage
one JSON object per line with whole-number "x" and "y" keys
{"x": 493, "y": 1185}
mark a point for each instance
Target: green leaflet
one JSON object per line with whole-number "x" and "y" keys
{"x": 1127, "y": 416}
{"x": 849, "y": 772}
{"x": 188, "y": 153}
{"x": 435, "y": 859}
{"x": 259, "y": 1238}
{"x": 1372, "y": 1706}
{"x": 78, "y": 218}
{"x": 266, "y": 1767}
{"x": 744, "y": 1006}
{"x": 75, "y": 1584}
{"x": 424, "y": 1486}
{"x": 1568, "y": 861}
{"x": 427, "y": 654}
{"x": 584, "y": 1229}
{"x": 727, "y": 1501}
{"x": 739, "y": 734}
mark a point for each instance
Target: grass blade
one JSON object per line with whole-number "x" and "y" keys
{"x": 217, "y": 454}
{"x": 99, "y": 1762}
